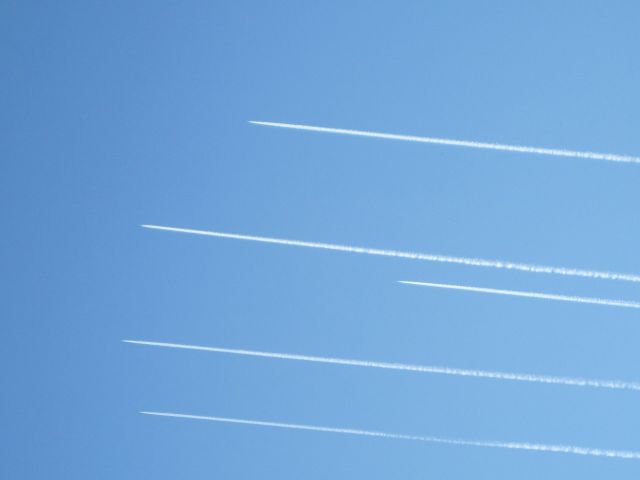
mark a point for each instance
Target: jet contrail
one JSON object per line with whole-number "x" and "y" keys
{"x": 476, "y": 262}
{"x": 523, "y": 377}
{"x": 515, "y": 293}
{"x": 396, "y": 436}
{"x": 458, "y": 143}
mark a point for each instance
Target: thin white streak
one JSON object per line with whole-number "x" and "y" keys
{"x": 515, "y": 293}
{"x": 396, "y": 436}
{"x": 476, "y": 262}
{"x": 458, "y": 143}
{"x": 523, "y": 377}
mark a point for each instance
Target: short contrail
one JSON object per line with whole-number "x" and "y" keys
{"x": 459, "y": 143}
{"x": 396, "y": 436}
{"x": 476, "y": 262}
{"x": 516, "y": 293}
{"x": 523, "y": 377}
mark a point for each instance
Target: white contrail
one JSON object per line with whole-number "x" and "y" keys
{"x": 458, "y": 143}
{"x": 476, "y": 262}
{"x": 516, "y": 293}
{"x": 396, "y": 436}
{"x": 523, "y": 377}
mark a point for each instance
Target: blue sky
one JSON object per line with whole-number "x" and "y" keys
{"x": 116, "y": 114}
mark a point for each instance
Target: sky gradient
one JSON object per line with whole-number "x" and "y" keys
{"x": 118, "y": 114}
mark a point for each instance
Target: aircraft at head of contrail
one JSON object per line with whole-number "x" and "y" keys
{"x": 429, "y": 257}
{"x": 518, "y": 293}
{"x": 538, "y": 447}
{"x": 612, "y": 157}
{"x": 509, "y": 376}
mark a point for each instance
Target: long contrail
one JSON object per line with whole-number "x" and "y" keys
{"x": 517, "y": 293}
{"x": 397, "y": 436}
{"x": 612, "y": 157}
{"x": 523, "y": 377}
{"x": 476, "y": 262}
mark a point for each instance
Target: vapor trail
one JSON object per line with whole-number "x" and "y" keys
{"x": 524, "y": 377}
{"x": 396, "y": 436}
{"x": 458, "y": 143}
{"x": 476, "y": 262}
{"x": 515, "y": 293}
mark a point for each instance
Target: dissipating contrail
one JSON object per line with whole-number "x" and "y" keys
{"x": 476, "y": 262}
{"x": 612, "y": 157}
{"x": 522, "y": 377}
{"x": 517, "y": 293}
{"x": 539, "y": 447}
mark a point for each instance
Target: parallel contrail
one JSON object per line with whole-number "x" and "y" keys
{"x": 476, "y": 262}
{"x": 516, "y": 293}
{"x": 396, "y": 436}
{"x": 523, "y": 377}
{"x": 459, "y": 143}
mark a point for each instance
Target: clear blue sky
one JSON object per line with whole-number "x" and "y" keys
{"x": 119, "y": 113}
